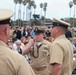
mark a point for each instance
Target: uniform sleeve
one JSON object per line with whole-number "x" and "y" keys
{"x": 56, "y": 54}
{"x": 74, "y": 63}
{"x": 25, "y": 68}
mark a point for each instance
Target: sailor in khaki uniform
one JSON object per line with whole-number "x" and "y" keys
{"x": 61, "y": 54}
{"x": 11, "y": 63}
{"x": 39, "y": 53}
{"x": 48, "y": 36}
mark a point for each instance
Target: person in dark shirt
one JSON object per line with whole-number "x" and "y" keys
{"x": 68, "y": 33}
{"x": 18, "y": 32}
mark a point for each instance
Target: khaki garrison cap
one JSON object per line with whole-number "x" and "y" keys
{"x": 38, "y": 29}
{"x": 5, "y": 15}
{"x": 61, "y": 23}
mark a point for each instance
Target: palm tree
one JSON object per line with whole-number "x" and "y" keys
{"x": 24, "y": 3}
{"x": 15, "y": 1}
{"x": 41, "y": 6}
{"x": 20, "y": 1}
{"x": 70, "y": 5}
{"x": 45, "y": 5}
{"x": 30, "y": 4}
{"x": 74, "y": 1}
{"x": 28, "y": 1}
{"x": 34, "y": 7}
{"x": 19, "y": 12}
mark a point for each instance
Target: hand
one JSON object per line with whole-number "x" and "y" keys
{"x": 32, "y": 41}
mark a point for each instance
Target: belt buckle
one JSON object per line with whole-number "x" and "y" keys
{"x": 37, "y": 69}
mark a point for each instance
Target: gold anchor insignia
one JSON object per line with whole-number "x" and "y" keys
{"x": 36, "y": 29}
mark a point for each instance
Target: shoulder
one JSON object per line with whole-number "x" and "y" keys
{"x": 18, "y": 63}
{"x": 47, "y": 42}
{"x": 63, "y": 43}
{"x": 11, "y": 55}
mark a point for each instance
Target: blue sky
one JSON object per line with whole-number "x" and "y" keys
{"x": 55, "y": 8}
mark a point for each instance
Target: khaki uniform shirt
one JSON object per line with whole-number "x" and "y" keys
{"x": 40, "y": 64}
{"x": 62, "y": 53}
{"x": 12, "y": 63}
{"x": 74, "y": 64}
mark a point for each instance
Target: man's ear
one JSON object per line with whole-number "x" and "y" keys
{"x": 6, "y": 31}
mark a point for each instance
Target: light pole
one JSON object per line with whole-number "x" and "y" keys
{"x": 45, "y": 5}
{"x": 31, "y": 3}
{"x": 41, "y": 6}
{"x": 70, "y": 5}
{"x": 74, "y": 1}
